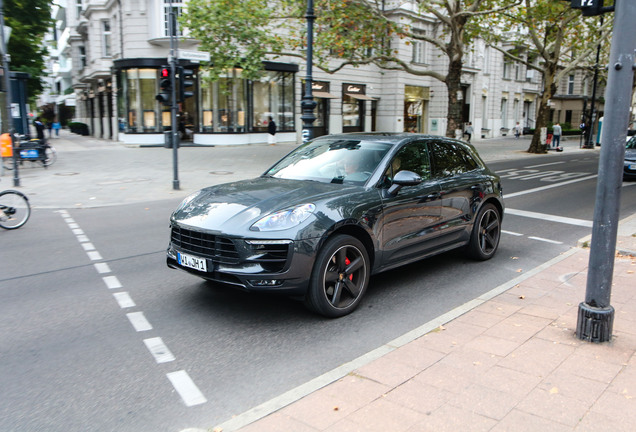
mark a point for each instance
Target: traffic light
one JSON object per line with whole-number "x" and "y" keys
{"x": 165, "y": 86}
{"x": 186, "y": 81}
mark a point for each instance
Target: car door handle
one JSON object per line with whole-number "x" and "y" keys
{"x": 434, "y": 195}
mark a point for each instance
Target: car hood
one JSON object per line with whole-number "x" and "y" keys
{"x": 234, "y": 207}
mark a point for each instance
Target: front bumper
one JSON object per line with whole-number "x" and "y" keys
{"x": 281, "y": 266}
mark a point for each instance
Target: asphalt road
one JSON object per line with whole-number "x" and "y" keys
{"x": 139, "y": 347}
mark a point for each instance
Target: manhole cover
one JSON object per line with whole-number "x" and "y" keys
{"x": 66, "y": 174}
{"x": 221, "y": 172}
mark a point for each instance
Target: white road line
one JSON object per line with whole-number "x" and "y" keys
{"x": 72, "y": 225}
{"x": 124, "y": 300}
{"x": 539, "y": 189}
{"x": 102, "y": 268}
{"x": 546, "y": 164}
{"x": 112, "y": 282}
{"x": 82, "y": 238}
{"x": 94, "y": 255}
{"x": 186, "y": 388}
{"x": 545, "y": 240}
{"x": 511, "y": 233}
{"x": 78, "y": 231}
{"x": 88, "y": 246}
{"x": 551, "y": 218}
{"x": 159, "y": 350}
{"x": 68, "y": 219}
{"x": 139, "y": 321}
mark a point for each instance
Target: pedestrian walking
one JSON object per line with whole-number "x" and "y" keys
{"x": 271, "y": 131}
{"x": 56, "y": 127}
{"x": 469, "y": 130}
{"x": 49, "y": 127}
{"x": 518, "y": 130}
{"x": 556, "y": 135}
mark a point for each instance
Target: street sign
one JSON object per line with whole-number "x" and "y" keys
{"x": 194, "y": 55}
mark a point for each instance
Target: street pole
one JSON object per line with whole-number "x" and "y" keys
{"x": 596, "y": 315}
{"x": 8, "y": 95}
{"x": 173, "y": 105}
{"x": 308, "y": 103}
{"x": 590, "y": 130}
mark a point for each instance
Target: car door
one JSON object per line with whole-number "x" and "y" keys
{"x": 410, "y": 216}
{"x": 461, "y": 184}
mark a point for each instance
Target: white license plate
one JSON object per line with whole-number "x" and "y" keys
{"x": 632, "y": 167}
{"x": 192, "y": 262}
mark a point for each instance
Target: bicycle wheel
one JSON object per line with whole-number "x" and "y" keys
{"x": 14, "y": 209}
{"x": 50, "y": 156}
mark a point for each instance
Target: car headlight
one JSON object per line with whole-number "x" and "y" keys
{"x": 284, "y": 219}
{"x": 187, "y": 200}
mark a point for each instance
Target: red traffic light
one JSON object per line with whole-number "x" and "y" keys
{"x": 165, "y": 73}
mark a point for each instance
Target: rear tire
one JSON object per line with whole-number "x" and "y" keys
{"x": 484, "y": 239}
{"x": 339, "y": 278}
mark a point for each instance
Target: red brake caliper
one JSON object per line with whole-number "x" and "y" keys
{"x": 347, "y": 262}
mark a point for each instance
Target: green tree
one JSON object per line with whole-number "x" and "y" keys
{"x": 347, "y": 33}
{"x": 560, "y": 40}
{"x": 29, "y": 21}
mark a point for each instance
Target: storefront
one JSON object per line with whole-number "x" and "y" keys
{"x": 416, "y": 109}
{"x": 320, "y": 93}
{"x": 353, "y": 107}
{"x": 227, "y": 110}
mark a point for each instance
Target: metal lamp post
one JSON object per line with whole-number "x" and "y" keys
{"x": 308, "y": 103}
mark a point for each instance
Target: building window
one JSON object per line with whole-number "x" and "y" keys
{"x": 82, "y": 57}
{"x": 106, "y": 38}
{"x": 78, "y": 8}
{"x": 570, "y": 84}
{"x": 273, "y": 95}
{"x": 507, "y": 67}
{"x": 177, "y": 6}
{"x": 138, "y": 107}
{"x": 504, "y": 113}
{"x": 419, "y": 48}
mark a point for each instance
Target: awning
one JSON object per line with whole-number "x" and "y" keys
{"x": 324, "y": 95}
{"x": 360, "y": 96}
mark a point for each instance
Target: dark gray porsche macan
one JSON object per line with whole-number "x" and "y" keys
{"x": 336, "y": 210}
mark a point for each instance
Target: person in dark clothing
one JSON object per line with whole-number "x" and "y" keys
{"x": 39, "y": 128}
{"x": 271, "y": 130}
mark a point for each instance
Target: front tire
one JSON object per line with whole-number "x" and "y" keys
{"x": 484, "y": 240}
{"x": 339, "y": 278}
{"x": 14, "y": 209}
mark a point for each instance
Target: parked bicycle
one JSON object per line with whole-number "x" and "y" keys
{"x": 14, "y": 209}
{"x": 31, "y": 150}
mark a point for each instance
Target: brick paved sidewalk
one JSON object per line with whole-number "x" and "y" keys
{"x": 512, "y": 363}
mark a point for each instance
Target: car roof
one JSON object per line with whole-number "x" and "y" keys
{"x": 395, "y": 138}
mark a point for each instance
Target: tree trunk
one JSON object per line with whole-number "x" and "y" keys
{"x": 543, "y": 117}
{"x": 453, "y": 84}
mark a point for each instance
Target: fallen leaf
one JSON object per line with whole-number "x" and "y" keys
{"x": 554, "y": 390}
{"x": 514, "y": 258}
{"x": 519, "y": 270}
{"x": 522, "y": 297}
{"x": 336, "y": 408}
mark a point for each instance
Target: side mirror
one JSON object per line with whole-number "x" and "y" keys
{"x": 404, "y": 178}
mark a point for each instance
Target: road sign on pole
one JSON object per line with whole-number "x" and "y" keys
{"x": 194, "y": 55}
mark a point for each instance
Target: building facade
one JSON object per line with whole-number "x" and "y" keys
{"x": 119, "y": 48}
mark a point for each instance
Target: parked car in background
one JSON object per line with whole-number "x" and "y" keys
{"x": 336, "y": 210}
{"x": 629, "y": 171}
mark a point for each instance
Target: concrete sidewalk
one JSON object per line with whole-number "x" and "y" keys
{"x": 506, "y": 361}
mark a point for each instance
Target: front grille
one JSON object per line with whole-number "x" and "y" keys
{"x": 219, "y": 249}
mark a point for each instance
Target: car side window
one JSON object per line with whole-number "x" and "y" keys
{"x": 450, "y": 159}
{"x": 411, "y": 157}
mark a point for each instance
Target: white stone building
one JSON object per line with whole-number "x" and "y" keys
{"x": 119, "y": 47}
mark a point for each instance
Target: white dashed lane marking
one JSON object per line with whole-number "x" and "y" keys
{"x": 180, "y": 380}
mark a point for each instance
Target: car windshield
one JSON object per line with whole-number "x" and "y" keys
{"x": 332, "y": 161}
{"x": 631, "y": 144}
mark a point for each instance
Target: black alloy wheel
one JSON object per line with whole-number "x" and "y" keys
{"x": 486, "y": 232}
{"x": 340, "y": 277}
